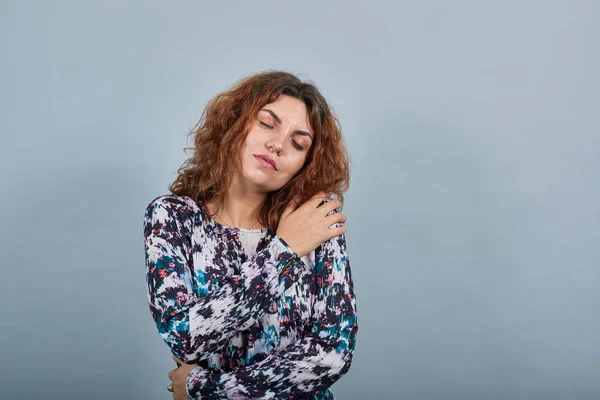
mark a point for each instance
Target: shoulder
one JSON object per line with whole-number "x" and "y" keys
{"x": 169, "y": 207}
{"x": 333, "y": 248}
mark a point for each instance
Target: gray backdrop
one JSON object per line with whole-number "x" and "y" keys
{"x": 473, "y": 212}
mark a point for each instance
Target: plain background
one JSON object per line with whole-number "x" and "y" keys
{"x": 473, "y": 212}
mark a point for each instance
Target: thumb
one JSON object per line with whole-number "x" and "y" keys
{"x": 290, "y": 208}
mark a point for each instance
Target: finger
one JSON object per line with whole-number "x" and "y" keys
{"x": 177, "y": 361}
{"x": 297, "y": 201}
{"x": 322, "y": 194}
{"x": 340, "y": 230}
{"x": 330, "y": 207}
{"x": 317, "y": 199}
{"x": 335, "y": 218}
{"x": 291, "y": 207}
{"x": 287, "y": 211}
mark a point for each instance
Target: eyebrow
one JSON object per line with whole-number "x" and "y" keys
{"x": 276, "y": 118}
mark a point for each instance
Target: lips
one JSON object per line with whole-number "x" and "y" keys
{"x": 267, "y": 159}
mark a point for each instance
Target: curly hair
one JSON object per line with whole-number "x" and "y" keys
{"x": 221, "y": 131}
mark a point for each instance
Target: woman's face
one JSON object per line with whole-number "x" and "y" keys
{"x": 281, "y": 131}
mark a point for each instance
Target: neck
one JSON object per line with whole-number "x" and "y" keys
{"x": 241, "y": 207}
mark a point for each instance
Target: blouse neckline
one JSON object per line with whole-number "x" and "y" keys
{"x": 207, "y": 216}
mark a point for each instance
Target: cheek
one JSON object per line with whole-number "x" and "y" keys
{"x": 297, "y": 164}
{"x": 250, "y": 144}
{"x": 253, "y": 144}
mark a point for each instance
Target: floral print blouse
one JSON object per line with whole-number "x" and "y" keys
{"x": 260, "y": 321}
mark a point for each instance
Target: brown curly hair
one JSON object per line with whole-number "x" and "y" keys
{"x": 221, "y": 132}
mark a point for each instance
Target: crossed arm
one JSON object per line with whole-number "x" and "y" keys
{"x": 198, "y": 324}
{"x": 310, "y": 365}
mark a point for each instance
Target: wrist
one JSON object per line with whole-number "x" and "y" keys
{"x": 196, "y": 376}
{"x": 203, "y": 384}
{"x": 287, "y": 246}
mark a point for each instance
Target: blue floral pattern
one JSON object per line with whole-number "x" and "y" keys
{"x": 260, "y": 321}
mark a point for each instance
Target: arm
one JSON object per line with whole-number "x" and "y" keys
{"x": 310, "y": 365}
{"x": 198, "y": 323}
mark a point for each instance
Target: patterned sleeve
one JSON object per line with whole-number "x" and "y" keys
{"x": 196, "y": 324}
{"x": 309, "y": 366}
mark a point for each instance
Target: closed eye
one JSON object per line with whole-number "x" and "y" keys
{"x": 297, "y": 146}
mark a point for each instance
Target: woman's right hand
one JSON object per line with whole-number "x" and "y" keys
{"x": 306, "y": 227}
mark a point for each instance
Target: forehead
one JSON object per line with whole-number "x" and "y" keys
{"x": 289, "y": 110}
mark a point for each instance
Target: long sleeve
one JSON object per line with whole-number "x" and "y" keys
{"x": 198, "y": 323}
{"x": 310, "y": 365}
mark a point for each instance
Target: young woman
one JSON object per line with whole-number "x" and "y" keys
{"x": 248, "y": 275}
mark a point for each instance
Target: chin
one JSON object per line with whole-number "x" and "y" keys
{"x": 260, "y": 181}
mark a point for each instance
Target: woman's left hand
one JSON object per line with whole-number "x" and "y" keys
{"x": 179, "y": 376}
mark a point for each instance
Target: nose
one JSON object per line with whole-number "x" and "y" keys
{"x": 275, "y": 147}
{"x": 275, "y": 142}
